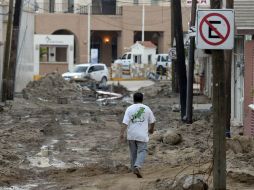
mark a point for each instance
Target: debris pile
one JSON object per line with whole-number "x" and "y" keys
{"x": 51, "y": 87}
{"x": 158, "y": 89}
{"x": 189, "y": 182}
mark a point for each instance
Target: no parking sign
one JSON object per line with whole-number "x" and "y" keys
{"x": 215, "y": 29}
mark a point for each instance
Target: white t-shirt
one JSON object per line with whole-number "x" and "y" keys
{"x": 138, "y": 117}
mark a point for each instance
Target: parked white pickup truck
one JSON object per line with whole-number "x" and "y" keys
{"x": 129, "y": 58}
{"x": 163, "y": 63}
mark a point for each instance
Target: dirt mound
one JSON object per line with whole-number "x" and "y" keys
{"x": 161, "y": 89}
{"x": 120, "y": 89}
{"x": 51, "y": 87}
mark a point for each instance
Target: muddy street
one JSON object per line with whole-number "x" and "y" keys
{"x": 47, "y": 144}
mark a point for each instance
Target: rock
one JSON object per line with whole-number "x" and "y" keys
{"x": 172, "y": 137}
{"x": 76, "y": 121}
{"x": 240, "y": 144}
{"x": 151, "y": 148}
{"x": 190, "y": 182}
{"x": 157, "y": 136}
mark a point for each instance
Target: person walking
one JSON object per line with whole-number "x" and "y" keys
{"x": 139, "y": 121}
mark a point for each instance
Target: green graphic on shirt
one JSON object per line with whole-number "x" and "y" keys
{"x": 138, "y": 116}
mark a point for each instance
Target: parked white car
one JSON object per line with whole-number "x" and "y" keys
{"x": 98, "y": 72}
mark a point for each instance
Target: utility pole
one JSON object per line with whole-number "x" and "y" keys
{"x": 143, "y": 22}
{"x": 219, "y": 110}
{"x": 88, "y": 31}
{"x": 180, "y": 66}
{"x": 173, "y": 72}
{"x": 7, "y": 53}
{"x": 228, "y": 60}
{"x": 14, "y": 48}
{"x": 191, "y": 66}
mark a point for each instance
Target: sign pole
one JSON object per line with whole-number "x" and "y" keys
{"x": 219, "y": 110}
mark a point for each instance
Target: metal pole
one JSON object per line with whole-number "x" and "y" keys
{"x": 191, "y": 66}
{"x": 143, "y": 22}
{"x": 88, "y": 32}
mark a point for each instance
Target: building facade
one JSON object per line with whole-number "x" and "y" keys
{"x": 243, "y": 65}
{"x": 115, "y": 25}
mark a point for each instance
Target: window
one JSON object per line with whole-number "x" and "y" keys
{"x": 129, "y": 56}
{"x": 149, "y": 59}
{"x": 164, "y": 58}
{"x": 61, "y": 54}
{"x": 124, "y": 56}
{"x": 80, "y": 69}
{"x": 137, "y": 59}
{"x": 154, "y": 2}
{"x": 91, "y": 69}
{"x": 98, "y": 68}
{"x": 135, "y": 1}
{"x": 158, "y": 58}
{"x": 70, "y": 6}
{"x": 51, "y": 6}
{"x": 108, "y": 7}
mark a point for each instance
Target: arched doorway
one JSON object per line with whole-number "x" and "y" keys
{"x": 106, "y": 44}
{"x": 60, "y": 51}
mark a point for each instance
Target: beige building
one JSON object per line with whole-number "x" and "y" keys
{"x": 115, "y": 24}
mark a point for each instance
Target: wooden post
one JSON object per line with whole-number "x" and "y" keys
{"x": 191, "y": 66}
{"x": 219, "y": 110}
{"x": 7, "y": 52}
{"x": 14, "y": 49}
{"x": 175, "y": 87}
{"x": 228, "y": 60}
{"x": 180, "y": 66}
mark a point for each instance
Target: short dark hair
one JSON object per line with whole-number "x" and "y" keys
{"x": 138, "y": 97}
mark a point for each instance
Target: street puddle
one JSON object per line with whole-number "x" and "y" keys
{"x": 25, "y": 187}
{"x": 31, "y": 186}
{"x": 45, "y": 158}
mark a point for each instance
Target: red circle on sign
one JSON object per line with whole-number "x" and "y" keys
{"x": 223, "y": 38}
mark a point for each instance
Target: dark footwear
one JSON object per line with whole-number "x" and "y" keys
{"x": 137, "y": 172}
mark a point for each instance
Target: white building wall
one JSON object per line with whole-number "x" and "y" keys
{"x": 25, "y": 62}
{"x": 54, "y": 41}
{"x": 237, "y": 83}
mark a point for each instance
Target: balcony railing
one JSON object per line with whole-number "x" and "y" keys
{"x": 100, "y": 10}
{"x": 76, "y": 8}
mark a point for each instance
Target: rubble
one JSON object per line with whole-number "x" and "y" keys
{"x": 159, "y": 89}
{"x": 240, "y": 144}
{"x": 190, "y": 182}
{"x": 172, "y": 137}
{"x": 75, "y": 144}
{"x": 50, "y": 88}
